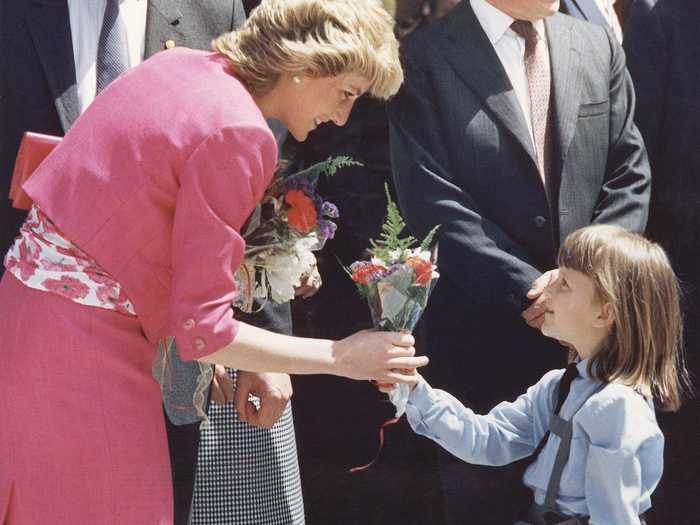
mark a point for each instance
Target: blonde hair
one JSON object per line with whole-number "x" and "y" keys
{"x": 317, "y": 38}
{"x": 634, "y": 275}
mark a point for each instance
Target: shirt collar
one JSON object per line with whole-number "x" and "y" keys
{"x": 496, "y": 23}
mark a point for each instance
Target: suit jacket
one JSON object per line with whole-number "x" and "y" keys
{"x": 463, "y": 158}
{"x": 584, "y": 10}
{"x": 662, "y": 43}
{"x": 39, "y": 92}
{"x": 159, "y": 210}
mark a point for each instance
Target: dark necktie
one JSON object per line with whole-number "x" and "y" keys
{"x": 540, "y": 85}
{"x": 567, "y": 378}
{"x": 112, "y": 49}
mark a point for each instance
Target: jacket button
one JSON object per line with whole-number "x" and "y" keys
{"x": 199, "y": 343}
{"x": 188, "y": 324}
{"x": 540, "y": 221}
{"x": 169, "y": 44}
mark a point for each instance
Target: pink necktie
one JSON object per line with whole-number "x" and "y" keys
{"x": 540, "y": 84}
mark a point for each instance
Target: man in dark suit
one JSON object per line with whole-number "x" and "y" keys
{"x": 473, "y": 151}
{"x": 662, "y": 43}
{"x": 39, "y": 92}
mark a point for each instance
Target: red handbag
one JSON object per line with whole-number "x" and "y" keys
{"x": 33, "y": 149}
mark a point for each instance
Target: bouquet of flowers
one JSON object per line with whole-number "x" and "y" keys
{"x": 286, "y": 227}
{"x": 396, "y": 281}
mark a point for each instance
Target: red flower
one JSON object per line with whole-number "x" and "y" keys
{"x": 69, "y": 287}
{"x": 422, "y": 268}
{"x": 302, "y": 212}
{"x": 366, "y": 272}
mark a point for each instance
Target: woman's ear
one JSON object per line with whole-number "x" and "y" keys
{"x": 606, "y": 316}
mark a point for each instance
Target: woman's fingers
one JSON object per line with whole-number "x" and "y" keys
{"x": 408, "y": 363}
{"x": 401, "y": 339}
{"x": 399, "y": 377}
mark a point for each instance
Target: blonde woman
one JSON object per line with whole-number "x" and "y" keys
{"x": 596, "y": 449}
{"x": 134, "y": 237}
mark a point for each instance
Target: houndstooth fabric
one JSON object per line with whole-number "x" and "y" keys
{"x": 539, "y": 80}
{"x": 247, "y": 475}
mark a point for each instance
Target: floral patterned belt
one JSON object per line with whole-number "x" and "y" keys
{"x": 43, "y": 259}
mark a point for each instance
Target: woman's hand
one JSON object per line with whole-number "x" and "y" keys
{"x": 222, "y": 389}
{"x": 310, "y": 284}
{"x": 386, "y": 357}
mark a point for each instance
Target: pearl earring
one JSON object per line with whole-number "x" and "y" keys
{"x": 296, "y": 79}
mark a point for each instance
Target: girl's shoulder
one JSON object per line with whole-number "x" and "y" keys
{"x": 618, "y": 416}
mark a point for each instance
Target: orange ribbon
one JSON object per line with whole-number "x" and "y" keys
{"x": 381, "y": 445}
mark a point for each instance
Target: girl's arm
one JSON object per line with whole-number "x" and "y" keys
{"x": 625, "y": 457}
{"x": 507, "y": 433}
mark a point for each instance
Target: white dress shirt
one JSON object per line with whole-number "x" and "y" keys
{"x": 85, "y": 25}
{"x": 510, "y": 48}
{"x": 607, "y": 7}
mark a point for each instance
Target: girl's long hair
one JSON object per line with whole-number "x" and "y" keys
{"x": 645, "y": 345}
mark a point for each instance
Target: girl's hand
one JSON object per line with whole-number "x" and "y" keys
{"x": 386, "y": 357}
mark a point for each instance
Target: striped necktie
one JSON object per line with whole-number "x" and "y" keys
{"x": 539, "y": 82}
{"x": 112, "y": 49}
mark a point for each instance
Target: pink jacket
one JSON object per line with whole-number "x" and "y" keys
{"x": 154, "y": 182}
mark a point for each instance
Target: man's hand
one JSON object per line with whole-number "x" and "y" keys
{"x": 221, "y": 386}
{"x": 534, "y": 314}
{"x": 273, "y": 390}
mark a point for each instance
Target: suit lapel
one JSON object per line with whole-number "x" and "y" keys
{"x": 470, "y": 53}
{"x": 163, "y": 19}
{"x": 565, "y": 58}
{"x": 49, "y": 25}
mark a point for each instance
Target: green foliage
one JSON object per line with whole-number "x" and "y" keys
{"x": 327, "y": 167}
{"x": 390, "y": 238}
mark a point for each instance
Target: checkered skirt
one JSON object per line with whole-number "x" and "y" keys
{"x": 247, "y": 475}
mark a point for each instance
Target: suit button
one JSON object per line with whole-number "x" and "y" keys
{"x": 199, "y": 343}
{"x": 540, "y": 221}
{"x": 188, "y": 324}
{"x": 169, "y": 44}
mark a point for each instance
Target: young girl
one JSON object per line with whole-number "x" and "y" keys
{"x": 597, "y": 450}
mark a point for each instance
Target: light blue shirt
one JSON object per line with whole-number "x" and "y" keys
{"x": 616, "y": 457}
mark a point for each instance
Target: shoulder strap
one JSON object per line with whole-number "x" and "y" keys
{"x": 563, "y": 428}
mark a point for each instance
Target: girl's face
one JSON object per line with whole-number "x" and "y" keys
{"x": 312, "y": 101}
{"x": 575, "y": 314}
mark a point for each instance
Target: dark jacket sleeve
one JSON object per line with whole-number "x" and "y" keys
{"x": 647, "y": 51}
{"x": 624, "y": 197}
{"x": 474, "y": 252}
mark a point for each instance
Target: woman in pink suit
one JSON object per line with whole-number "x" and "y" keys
{"x": 134, "y": 237}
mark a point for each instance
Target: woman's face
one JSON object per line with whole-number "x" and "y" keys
{"x": 309, "y": 102}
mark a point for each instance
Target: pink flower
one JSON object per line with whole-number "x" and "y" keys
{"x": 107, "y": 294}
{"x": 59, "y": 266}
{"x": 68, "y": 287}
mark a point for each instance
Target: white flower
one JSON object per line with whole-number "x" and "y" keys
{"x": 284, "y": 271}
{"x": 394, "y": 255}
{"x": 377, "y": 261}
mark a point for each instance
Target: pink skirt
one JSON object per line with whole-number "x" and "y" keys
{"x": 82, "y": 436}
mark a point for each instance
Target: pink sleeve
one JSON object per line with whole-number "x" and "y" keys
{"x": 219, "y": 186}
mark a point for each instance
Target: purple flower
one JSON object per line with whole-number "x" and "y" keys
{"x": 327, "y": 228}
{"x": 330, "y": 210}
